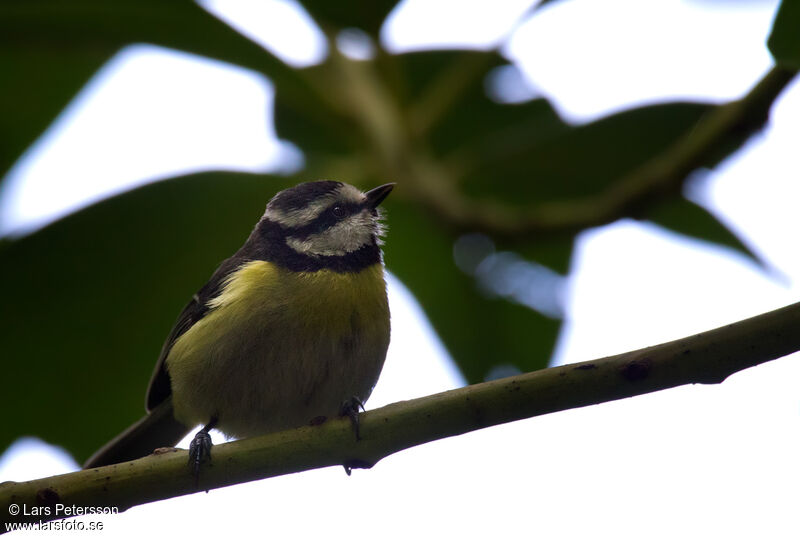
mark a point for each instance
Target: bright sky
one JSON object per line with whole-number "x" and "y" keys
{"x": 692, "y": 460}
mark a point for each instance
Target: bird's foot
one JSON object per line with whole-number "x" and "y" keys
{"x": 350, "y": 409}
{"x": 200, "y": 449}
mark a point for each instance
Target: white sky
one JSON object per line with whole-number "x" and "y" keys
{"x": 692, "y": 460}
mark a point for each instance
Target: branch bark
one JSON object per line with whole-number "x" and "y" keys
{"x": 708, "y": 357}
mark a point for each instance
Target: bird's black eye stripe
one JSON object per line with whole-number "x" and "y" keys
{"x": 328, "y": 218}
{"x": 336, "y": 212}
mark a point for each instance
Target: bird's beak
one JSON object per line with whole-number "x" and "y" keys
{"x": 376, "y": 195}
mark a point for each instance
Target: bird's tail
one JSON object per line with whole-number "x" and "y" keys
{"x": 156, "y": 429}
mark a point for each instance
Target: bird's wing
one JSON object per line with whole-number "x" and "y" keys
{"x": 160, "y": 387}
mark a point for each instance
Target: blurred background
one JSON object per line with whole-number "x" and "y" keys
{"x": 139, "y": 142}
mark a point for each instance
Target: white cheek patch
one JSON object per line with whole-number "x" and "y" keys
{"x": 345, "y": 237}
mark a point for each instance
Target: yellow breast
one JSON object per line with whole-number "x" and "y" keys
{"x": 279, "y": 348}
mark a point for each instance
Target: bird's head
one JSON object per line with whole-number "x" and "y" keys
{"x": 327, "y": 218}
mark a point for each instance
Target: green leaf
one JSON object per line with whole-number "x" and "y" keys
{"x": 446, "y": 92}
{"x": 479, "y": 330}
{"x": 784, "y": 41}
{"x": 366, "y": 15}
{"x": 50, "y": 48}
{"x": 690, "y": 219}
{"x": 579, "y": 161}
{"x": 95, "y": 294}
{"x": 34, "y": 89}
{"x": 583, "y": 161}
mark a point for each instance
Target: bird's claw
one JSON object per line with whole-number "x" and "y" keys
{"x": 199, "y": 451}
{"x": 350, "y": 409}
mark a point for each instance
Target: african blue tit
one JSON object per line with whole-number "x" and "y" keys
{"x": 293, "y": 327}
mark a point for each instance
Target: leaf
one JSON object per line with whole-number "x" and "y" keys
{"x": 690, "y": 219}
{"x": 480, "y": 331}
{"x": 34, "y": 90}
{"x": 95, "y": 294}
{"x": 50, "y": 48}
{"x": 784, "y": 41}
{"x": 446, "y": 92}
{"x": 579, "y": 161}
{"x": 366, "y": 15}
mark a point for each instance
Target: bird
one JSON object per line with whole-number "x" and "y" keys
{"x": 290, "y": 330}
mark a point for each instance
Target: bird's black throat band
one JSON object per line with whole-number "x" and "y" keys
{"x": 268, "y": 243}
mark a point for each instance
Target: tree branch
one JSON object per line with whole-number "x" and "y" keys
{"x": 631, "y": 195}
{"x": 708, "y": 357}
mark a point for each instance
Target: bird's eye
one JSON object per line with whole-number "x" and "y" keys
{"x": 338, "y": 212}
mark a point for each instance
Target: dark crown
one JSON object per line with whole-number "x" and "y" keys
{"x": 301, "y": 195}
